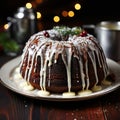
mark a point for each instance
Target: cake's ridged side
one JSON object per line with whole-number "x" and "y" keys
{"x": 59, "y": 66}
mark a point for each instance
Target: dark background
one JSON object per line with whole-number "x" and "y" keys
{"x": 92, "y": 11}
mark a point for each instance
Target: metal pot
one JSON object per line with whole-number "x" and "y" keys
{"x": 108, "y": 35}
{"x": 23, "y": 24}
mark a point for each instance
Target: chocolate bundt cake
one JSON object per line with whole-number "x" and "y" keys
{"x": 63, "y": 59}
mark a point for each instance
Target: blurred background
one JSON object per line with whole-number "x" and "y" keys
{"x": 89, "y": 11}
{"x": 56, "y": 12}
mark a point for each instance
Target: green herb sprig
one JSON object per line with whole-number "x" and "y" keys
{"x": 64, "y": 30}
{"x": 7, "y": 43}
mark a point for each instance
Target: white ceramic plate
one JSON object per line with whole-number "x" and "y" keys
{"x": 6, "y": 79}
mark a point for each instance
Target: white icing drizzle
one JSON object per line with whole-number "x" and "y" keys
{"x": 43, "y": 93}
{"x": 82, "y": 74}
{"x": 68, "y": 94}
{"x": 87, "y": 76}
{"x": 92, "y": 57}
{"x": 44, "y": 74}
{"x": 96, "y": 88}
{"x": 43, "y": 69}
{"x": 48, "y": 50}
{"x": 27, "y": 68}
{"x": 30, "y": 68}
{"x": 106, "y": 82}
{"x": 84, "y": 92}
{"x": 68, "y": 66}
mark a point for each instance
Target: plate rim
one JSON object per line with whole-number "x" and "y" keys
{"x": 11, "y": 64}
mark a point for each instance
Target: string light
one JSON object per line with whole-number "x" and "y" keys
{"x": 36, "y": 3}
{"x": 56, "y": 18}
{"x": 39, "y": 15}
{"x": 6, "y": 26}
{"x": 20, "y": 15}
{"x": 28, "y": 5}
{"x": 71, "y": 14}
{"x": 77, "y": 6}
{"x": 64, "y": 13}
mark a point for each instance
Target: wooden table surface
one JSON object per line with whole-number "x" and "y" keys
{"x": 14, "y": 106}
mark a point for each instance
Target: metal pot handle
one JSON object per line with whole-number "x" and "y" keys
{"x": 11, "y": 22}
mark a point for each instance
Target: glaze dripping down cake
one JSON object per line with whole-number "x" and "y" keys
{"x": 63, "y": 60}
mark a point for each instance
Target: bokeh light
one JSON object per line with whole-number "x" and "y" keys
{"x": 77, "y": 6}
{"x": 71, "y": 14}
{"x": 6, "y": 26}
{"x": 64, "y": 13}
{"x": 56, "y": 18}
{"x": 39, "y": 15}
{"x": 28, "y": 5}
